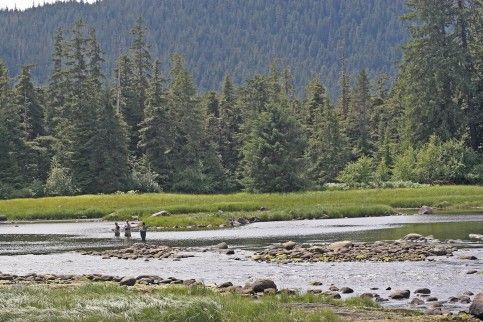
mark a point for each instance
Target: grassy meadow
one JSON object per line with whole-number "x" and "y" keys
{"x": 191, "y": 210}
{"x": 110, "y": 302}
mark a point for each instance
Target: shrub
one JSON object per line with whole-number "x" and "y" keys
{"x": 60, "y": 182}
{"x": 359, "y": 171}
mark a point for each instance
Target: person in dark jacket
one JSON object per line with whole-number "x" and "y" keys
{"x": 117, "y": 230}
{"x": 142, "y": 230}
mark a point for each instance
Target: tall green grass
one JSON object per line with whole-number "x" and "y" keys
{"x": 110, "y": 302}
{"x": 192, "y": 210}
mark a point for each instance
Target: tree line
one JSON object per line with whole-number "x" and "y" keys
{"x": 147, "y": 130}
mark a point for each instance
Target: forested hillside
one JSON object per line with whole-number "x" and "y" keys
{"x": 217, "y": 37}
{"x": 146, "y": 130}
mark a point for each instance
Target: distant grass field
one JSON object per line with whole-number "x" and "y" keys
{"x": 191, "y": 210}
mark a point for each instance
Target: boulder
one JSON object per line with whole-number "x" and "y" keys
{"x": 222, "y": 245}
{"x": 422, "y": 291}
{"x": 337, "y": 246}
{"x": 162, "y": 213}
{"x": 425, "y": 210}
{"x": 476, "y": 307}
{"x": 128, "y": 281}
{"x": 416, "y": 301}
{"x": 400, "y": 294}
{"x": 225, "y": 285}
{"x": 414, "y": 237}
{"x": 469, "y": 257}
{"x": 261, "y": 285}
{"x": 332, "y": 294}
{"x": 438, "y": 251}
{"x": 464, "y": 299}
{"x": 289, "y": 245}
{"x": 346, "y": 290}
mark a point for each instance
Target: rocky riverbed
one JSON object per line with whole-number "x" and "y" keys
{"x": 413, "y": 247}
{"x": 261, "y": 287}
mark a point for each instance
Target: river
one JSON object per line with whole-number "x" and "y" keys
{"x": 51, "y": 248}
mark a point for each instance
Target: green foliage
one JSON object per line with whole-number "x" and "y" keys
{"x": 360, "y": 171}
{"x": 143, "y": 178}
{"x": 272, "y": 154}
{"x": 60, "y": 183}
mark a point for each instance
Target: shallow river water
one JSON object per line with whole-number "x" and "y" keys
{"x": 50, "y": 248}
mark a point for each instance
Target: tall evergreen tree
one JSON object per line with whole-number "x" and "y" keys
{"x": 56, "y": 89}
{"x": 359, "y": 127}
{"x": 156, "y": 131}
{"x": 28, "y": 103}
{"x": 11, "y": 139}
{"x": 230, "y": 131}
{"x": 185, "y": 113}
{"x": 430, "y": 61}
{"x": 272, "y": 154}
{"x": 141, "y": 63}
{"x": 327, "y": 151}
{"x": 110, "y": 156}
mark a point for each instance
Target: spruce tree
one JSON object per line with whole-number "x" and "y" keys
{"x": 28, "y": 103}
{"x": 272, "y": 154}
{"x": 56, "y": 89}
{"x": 12, "y": 145}
{"x": 327, "y": 151}
{"x": 429, "y": 65}
{"x": 110, "y": 159}
{"x": 185, "y": 113}
{"x": 230, "y": 128}
{"x": 359, "y": 127}
{"x": 156, "y": 132}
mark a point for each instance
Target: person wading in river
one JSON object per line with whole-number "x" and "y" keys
{"x": 117, "y": 230}
{"x": 143, "y": 229}
{"x": 127, "y": 230}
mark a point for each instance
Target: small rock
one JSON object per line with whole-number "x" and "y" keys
{"x": 128, "y": 281}
{"x": 414, "y": 237}
{"x": 340, "y": 245}
{"x": 316, "y": 283}
{"x": 230, "y": 252}
{"x": 289, "y": 245}
{"x": 346, "y": 290}
{"x": 416, "y": 301}
{"x": 225, "y": 284}
{"x": 400, "y": 294}
{"x": 464, "y": 299}
{"x": 332, "y": 294}
{"x": 423, "y": 291}
{"x": 432, "y": 299}
{"x": 222, "y": 245}
{"x": 425, "y": 210}
{"x": 333, "y": 288}
{"x": 473, "y": 271}
{"x": 469, "y": 257}
{"x": 469, "y": 293}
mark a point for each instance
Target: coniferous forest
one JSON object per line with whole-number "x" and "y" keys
{"x": 135, "y": 126}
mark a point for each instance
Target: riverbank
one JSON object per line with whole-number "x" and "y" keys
{"x": 108, "y": 301}
{"x": 184, "y": 211}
